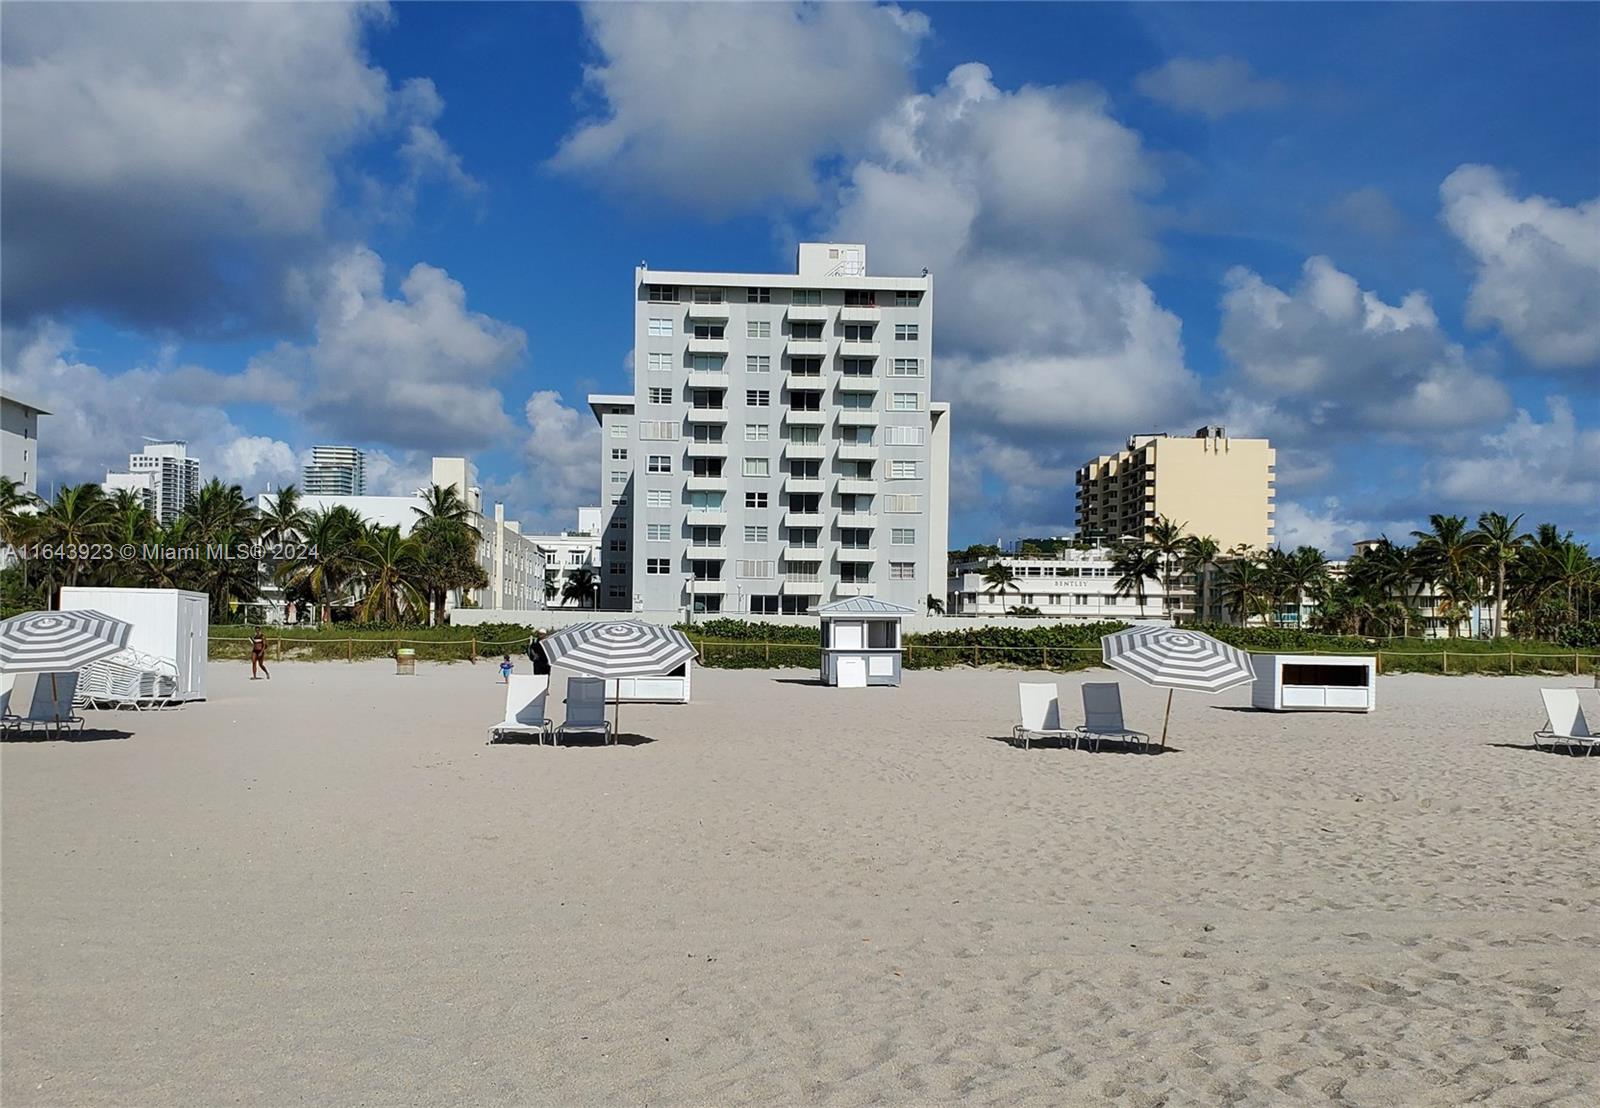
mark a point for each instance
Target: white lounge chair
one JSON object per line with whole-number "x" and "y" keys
{"x": 52, "y": 704}
{"x": 586, "y": 708}
{"x": 1041, "y": 715}
{"x": 1102, "y": 715}
{"x": 1564, "y": 722}
{"x": 525, "y": 708}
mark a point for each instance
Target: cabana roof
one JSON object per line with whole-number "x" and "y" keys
{"x": 864, "y": 606}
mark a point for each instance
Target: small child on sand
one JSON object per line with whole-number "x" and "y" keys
{"x": 505, "y": 669}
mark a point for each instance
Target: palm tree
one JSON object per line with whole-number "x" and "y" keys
{"x": 1199, "y": 555}
{"x": 1245, "y": 588}
{"x": 1567, "y": 569}
{"x": 1293, "y": 576}
{"x": 1134, "y": 564}
{"x": 551, "y": 591}
{"x": 389, "y": 566}
{"x": 442, "y": 502}
{"x": 449, "y": 562}
{"x": 1449, "y": 554}
{"x": 78, "y": 518}
{"x": 1501, "y": 543}
{"x": 16, "y": 505}
{"x": 324, "y": 566}
{"x": 998, "y": 578}
{"x": 219, "y": 510}
{"x": 935, "y": 605}
{"x": 1167, "y": 539}
{"x": 581, "y": 586}
{"x": 284, "y": 519}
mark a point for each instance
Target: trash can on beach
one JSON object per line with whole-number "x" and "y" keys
{"x": 405, "y": 662}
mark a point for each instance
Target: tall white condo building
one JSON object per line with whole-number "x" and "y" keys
{"x": 779, "y": 449}
{"x": 335, "y": 471}
{"x": 163, "y": 475}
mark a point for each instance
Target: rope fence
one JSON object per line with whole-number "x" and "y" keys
{"x": 740, "y": 654}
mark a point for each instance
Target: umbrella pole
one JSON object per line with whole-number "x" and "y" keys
{"x": 1164, "y": 720}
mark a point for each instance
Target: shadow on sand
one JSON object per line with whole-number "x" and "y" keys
{"x": 1559, "y": 751}
{"x": 87, "y": 735}
{"x": 1107, "y": 746}
{"x": 585, "y": 739}
{"x": 817, "y": 682}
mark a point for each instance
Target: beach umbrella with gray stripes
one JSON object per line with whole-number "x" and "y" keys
{"x": 56, "y": 642}
{"x": 618, "y": 648}
{"x": 1173, "y": 658}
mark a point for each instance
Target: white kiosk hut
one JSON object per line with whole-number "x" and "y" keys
{"x": 861, "y": 642}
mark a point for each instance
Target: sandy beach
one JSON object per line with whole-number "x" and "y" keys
{"x": 326, "y": 889}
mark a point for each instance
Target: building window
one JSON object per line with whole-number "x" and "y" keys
{"x": 757, "y": 467}
{"x": 902, "y": 471}
{"x": 706, "y": 399}
{"x": 708, "y": 296}
{"x": 903, "y": 436}
{"x": 619, "y": 477}
{"x": 857, "y": 401}
{"x": 658, "y": 532}
{"x": 754, "y": 570}
{"x": 663, "y": 294}
{"x": 705, "y": 500}
{"x": 856, "y": 367}
{"x": 707, "y": 363}
{"x": 662, "y": 463}
{"x": 758, "y": 296}
{"x": 796, "y": 605}
{"x": 705, "y": 536}
{"x": 812, "y": 297}
{"x": 855, "y": 573}
{"x": 617, "y": 569}
{"x": 755, "y": 500}
{"x": 805, "y": 436}
{"x": 906, "y": 331}
{"x": 906, "y": 402}
{"x": 902, "y": 571}
{"x": 658, "y": 498}
{"x": 902, "y": 536}
{"x": 706, "y": 569}
{"x": 905, "y": 367}
{"x": 858, "y": 332}
{"x": 755, "y": 532}
{"x": 707, "y": 432}
{"x": 758, "y": 363}
{"x": 619, "y": 546}
{"x": 757, "y": 432}
{"x": 660, "y": 327}
{"x": 706, "y": 467}
{"x": 660, "y": 363}
{"x": 658, "y": 430}
{"x": 619, "y": 453}
{"x": 807, "y": 469}
{"x": 764, "y": 605}
{"x": 758, "y": 329}
{"x": 660, "y": 396}
{"x": 804, "y": 538}
{"x": 619, "y": 430}
{"x": 805, "y": 367}
{"x": 860, "y": 298}
{"x": 617, "y": 592}
{"x": 808, "y": 401}
{"x": 805, "y": 332}
{"x": 907, "y": 298}
{"x": 710, "y": 330}
{"x": 658, "y": 566}
{"x": 758, "y": 398}
{"x": 902, "y": 504}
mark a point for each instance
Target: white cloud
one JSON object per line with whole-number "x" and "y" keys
{"x": 1212, "y": 87}
{"x": 562, "y": 454}
{"x": 416, "y": 372}
{"x": 97, "y": 418}
{"x": 1370, "y": 212}
{"x": 1527, "y": 463}
{"x": 1328, "y": 526}
{"x": 1330, "y": 356}
{"x": 170, "y": 164}
{"x": 1538, "y": 266}
{"x": 720, "y": 106}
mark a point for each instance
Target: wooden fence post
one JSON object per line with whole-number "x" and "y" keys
{"x": 975, "y": 662}
{"x": 1046, "y": 650}
{"x": 767, "y": 647}
{"x": 279, "y": 643}
{"x": 1445, "y": 654}
{"x": 474, "y": 649}
{"x": 1575, "y": 670}
{"x": 1380, "y": 662}
{"x": 349, "y": 649}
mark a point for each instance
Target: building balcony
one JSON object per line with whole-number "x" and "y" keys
{"x": 800, "y": 418}
{"x": 802, "y": 584}
{"x": 857, "y": 417}
{"x": 807, "y": 313}
{"x": 855, "y": 588}
{"x": 708, "y": 346}
{"x": 718, "y": 553}
{"x": 707, "y": 517}
{"x": 698, "y": 587}
{"x": 854, "y": 382}
{"x": 710, "y": 313}
{"x": 802, "y": 519}
{"x": 706, "y": 484}
{"x": 708, "y": 379}
{"x": 805, "y": 382}
{"x": 806, "y": 348}
{"x": 860, "y": 313}
{"x": 805, "y": 485}
{"x": 708, "y": 415}
{"x": 857, "y": 554}
{"x": 862, "y": 520}
{"x": 850, "y": 451}
{"x": 707, "y": 449}
{"x": 805, "y": 450}
{"x": 858, "y": 350}
{"x": 862, "y": 486}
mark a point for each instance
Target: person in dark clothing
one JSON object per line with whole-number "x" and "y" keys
{"x": 536, "y": 654}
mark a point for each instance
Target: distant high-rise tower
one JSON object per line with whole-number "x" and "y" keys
{"x": 335, "y": 471}
{"x": 164, "y": 475}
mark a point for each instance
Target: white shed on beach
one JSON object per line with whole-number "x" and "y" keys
{"x": 861, "y": 642}
{"x": 170, "y": 624}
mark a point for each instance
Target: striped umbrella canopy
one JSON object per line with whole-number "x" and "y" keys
{"x": 623, "y": 648}
{"x": 1173, "y": 658}
{"x": 55, "y": 642}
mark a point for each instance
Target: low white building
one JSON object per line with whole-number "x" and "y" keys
{"x": 1076, "y": 585}
{"x": 568, "y": 551}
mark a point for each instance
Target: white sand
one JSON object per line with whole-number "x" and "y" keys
{"x": 327, "y": 890}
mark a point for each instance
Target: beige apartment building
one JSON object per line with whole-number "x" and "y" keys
{"x": 1210, "y": 483}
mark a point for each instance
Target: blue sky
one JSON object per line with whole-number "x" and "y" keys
{"x": 1368, "y": 231}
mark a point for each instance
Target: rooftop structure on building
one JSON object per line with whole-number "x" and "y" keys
{"x": 780, "y": 448}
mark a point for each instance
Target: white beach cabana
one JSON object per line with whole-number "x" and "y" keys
{"x": 861, "y": 642}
